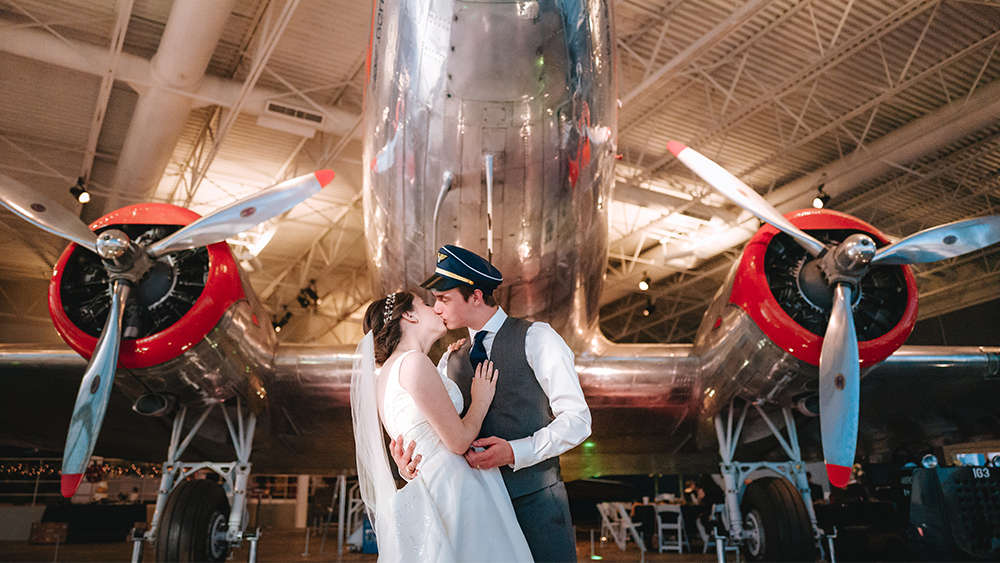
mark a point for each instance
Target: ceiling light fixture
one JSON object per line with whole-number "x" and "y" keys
{"x": 80, "y": 192}
{"x": 307, "y": 296}
{"x": 644, "y": 282}
{"x": 278, "y": 323}
{"x": 822, "y": 198}
{"x": 649, "y": 309}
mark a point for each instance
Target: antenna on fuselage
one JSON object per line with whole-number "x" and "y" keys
{"x": 446, "y": 180}
{"x": 489, "y": 207}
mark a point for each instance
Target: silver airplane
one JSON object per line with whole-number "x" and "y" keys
{"x": 492, "y": 126}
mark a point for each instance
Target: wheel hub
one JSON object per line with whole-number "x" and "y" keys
{"x": 218, "y": 536}
{"x": 753, "y": 533}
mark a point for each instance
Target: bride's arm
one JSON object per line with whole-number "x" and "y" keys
{"x": 420, "y": 378}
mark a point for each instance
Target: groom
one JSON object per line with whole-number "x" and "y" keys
{"x": 538, "y": 411}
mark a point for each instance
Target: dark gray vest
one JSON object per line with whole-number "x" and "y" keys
{"x": 519, "y": 408}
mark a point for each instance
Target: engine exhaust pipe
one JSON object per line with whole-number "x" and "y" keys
{"x": 808, "y": 405}
{"x": 154, "y": 404}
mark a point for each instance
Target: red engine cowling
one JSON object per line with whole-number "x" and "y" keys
{"x": 885, "y": 311}
{"x": 762, "y": 336}
{"x": 180, "y": 300}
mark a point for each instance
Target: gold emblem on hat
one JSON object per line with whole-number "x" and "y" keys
{"x": 441, "y": 256}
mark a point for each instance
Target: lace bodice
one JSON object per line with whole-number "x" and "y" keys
{"x": 401, "y": 415}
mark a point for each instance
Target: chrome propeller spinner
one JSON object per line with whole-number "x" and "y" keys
{"x": 851, "y": 257}
{"x": 112, "y": 244}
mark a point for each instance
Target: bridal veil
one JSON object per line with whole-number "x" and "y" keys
{"x": 375, "y": 480}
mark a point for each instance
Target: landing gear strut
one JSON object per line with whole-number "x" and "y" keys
{"x": 772, "y": 518}
{"x": 201, "y": 520}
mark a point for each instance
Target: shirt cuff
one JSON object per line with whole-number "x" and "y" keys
{"x": 523, "y": 453}
{"x": 442, "y": 365}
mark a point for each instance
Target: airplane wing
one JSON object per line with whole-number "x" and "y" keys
{"x": 972, "y": 363}
{"x": 40, "y": 386}
{"x": 307, "y": 429}
{"x": 935, "y": 394}
{"x": 925, "y": 397}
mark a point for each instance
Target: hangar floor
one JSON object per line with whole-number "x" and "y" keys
{"x": 286, "y": 546}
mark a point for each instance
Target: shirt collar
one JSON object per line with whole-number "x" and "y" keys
{"x": 492, "y": 325}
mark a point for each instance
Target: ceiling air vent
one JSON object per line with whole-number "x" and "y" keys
{"x": 290, "y": 119}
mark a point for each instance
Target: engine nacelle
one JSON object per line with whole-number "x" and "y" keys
{"x": 763, "y": 333}
{"x": 194, "y": 328}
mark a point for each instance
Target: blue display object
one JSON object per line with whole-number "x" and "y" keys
{"x": 369, "y": 544}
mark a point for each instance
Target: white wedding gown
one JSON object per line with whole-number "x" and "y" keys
{"x": 450, "y": 511}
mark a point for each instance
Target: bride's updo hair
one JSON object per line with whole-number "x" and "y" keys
{"x": 383, "y": 319}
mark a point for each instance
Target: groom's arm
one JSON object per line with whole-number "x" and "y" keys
{"x": 552, "y": 361}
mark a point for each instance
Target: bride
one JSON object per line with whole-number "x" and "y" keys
{"x": 449, "y": 511}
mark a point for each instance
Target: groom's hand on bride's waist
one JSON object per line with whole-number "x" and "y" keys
{"x": 405, "y": 462}
{"x": 494, "y": 452}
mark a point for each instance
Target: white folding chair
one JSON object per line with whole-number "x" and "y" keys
{"x": 611, "y": 525}
{"x": 670, "y": 528}
{"x": 707, "y": 541}
{"x": 629, "y": 527}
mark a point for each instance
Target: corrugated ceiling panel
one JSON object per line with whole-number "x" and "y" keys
{"x": 45, "y": 101}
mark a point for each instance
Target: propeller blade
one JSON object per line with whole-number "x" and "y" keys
{"x": 243, "y": 214}
{"x": 55, "y": 219}
{"x": 839, "y": 389}
{"x": 95, "y": 390}
{"x": 941, "y": 242}
{"x": 742, "y": 195}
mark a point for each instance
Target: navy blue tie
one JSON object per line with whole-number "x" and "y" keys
{"x": 478, "y": 353}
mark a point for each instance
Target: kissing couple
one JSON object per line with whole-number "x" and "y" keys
{"x": 485, "y": 426}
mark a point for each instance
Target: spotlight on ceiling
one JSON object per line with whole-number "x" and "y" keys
{"x": 644, "y": 283}
{"x": 308, "y": 297}
{"x": 310, "y": 290}
{"x": 277, "y": 323}
{"x": 649, "y": 309}
{"x": 822, "y": 198}
{"x": 80, "y": 192}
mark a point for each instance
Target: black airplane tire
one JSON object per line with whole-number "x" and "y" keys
{"x": 193, "y": 524}
{"x": 776, "y": 522}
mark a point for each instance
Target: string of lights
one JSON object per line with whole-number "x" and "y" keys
{"x": 45, "y": 469}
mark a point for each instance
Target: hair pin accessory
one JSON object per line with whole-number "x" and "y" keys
{"x": 390, "y": 303}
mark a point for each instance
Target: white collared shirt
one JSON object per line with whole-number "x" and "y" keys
{"x": 552, "y": 361}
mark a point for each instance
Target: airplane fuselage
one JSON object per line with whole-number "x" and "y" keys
{"x": 530, "y": 85}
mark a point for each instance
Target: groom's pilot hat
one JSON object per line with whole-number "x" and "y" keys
{"x": 457, "y": 266}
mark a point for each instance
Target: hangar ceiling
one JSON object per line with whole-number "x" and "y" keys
{"x": 893, "y": 106}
